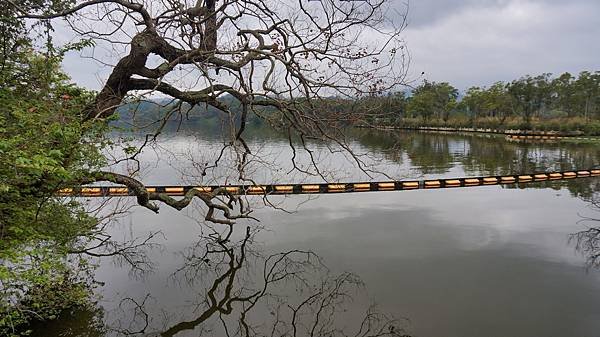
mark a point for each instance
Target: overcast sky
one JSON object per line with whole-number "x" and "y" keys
{"x": 477, "y": 42}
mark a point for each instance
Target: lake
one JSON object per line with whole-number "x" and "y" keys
{"x": 481, "y": 261}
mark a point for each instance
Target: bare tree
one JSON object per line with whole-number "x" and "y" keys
{"x": 279, "y": 59}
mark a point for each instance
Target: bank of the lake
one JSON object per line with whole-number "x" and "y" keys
{"x": 567, "y": 127}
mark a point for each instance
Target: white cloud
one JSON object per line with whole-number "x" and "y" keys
{"x": 478, "y": 45}
{"x": 464, "y": 42}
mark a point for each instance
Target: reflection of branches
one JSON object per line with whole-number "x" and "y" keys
{"x": 139, "y": 317}
{"x": 293, "y": 296}
{"x": 96, "y": 241}
{"x": 132, "y": 253}
{"x": 587, "y": 241}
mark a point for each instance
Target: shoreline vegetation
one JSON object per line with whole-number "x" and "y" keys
{"x": 566, "y": 104}
{"x": 564, "y": 127}
{"x": 543, "y": 131}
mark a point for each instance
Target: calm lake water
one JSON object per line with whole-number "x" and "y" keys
{"x": 483, "y": 261}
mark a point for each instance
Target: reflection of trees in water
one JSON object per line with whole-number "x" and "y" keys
{"x": 430, "y": 153}
{"x": 81, "y": 322}
{"x": 496, "y": 156}
{"x": 479, "y": 154}
{"x": 584, "y": 189}
{"x": 238, "y": 290}
{"x": 386, "y": 143}
{"x": 245, "y": 293}
{"x": 587, "y": 241}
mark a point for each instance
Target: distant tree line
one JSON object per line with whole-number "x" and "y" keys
{"x": 528, "y": 102}
{"x": 564, "y": 103}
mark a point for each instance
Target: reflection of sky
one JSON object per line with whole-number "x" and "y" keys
{"x": 426, "y": 255}
{"x": 461, "y": 258}
{"x": 179, "y": 159}
{"x": 470, "y": 260}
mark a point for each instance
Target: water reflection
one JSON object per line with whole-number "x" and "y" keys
{"x": 82, "y": 322}
{"x": 293, "y": 294}
{"x": 478, "y": 154}
{"x": 587, "y": 241}
{"x": 463, "y": 262}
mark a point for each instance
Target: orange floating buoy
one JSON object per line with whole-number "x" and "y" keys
{"x": 432, "y": 184}
{"x": 336, "y": 187}
{"x": 490, "y": 181}
{"x": 362, "y": 187}
{"x": 508, "y": 180}
{"x": 256, "y": 190}
{"x": 310, "y": 188}
{"x": 555, "y": 176}
{"x": 386, "y": 186}
{"x": 452, "y": 183}
{"x": 472, "y": 182}
{"x": 410, "y": 185}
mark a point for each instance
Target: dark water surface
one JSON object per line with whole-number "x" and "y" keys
{"x": 484, "y": 261}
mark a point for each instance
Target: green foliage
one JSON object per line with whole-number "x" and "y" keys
{"x": 564, "y": 103}
{"x": 44, "y": 146}
{"x": 433, "y": 99}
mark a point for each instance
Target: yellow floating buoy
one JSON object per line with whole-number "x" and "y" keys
{"x": 555, "y": 176}
{"x": 362, "y": 187}
{"x": 256, "y": 190}
{"x": 336, "y": 187}
{"x": 583, "y": 173}
{"x": 232, "y": 189}
{"x": 508, "y": 180}
{"x": 432, "y": 184}
{"x": 203, "y": 189}
{"x": 175, "y": 190}
{"x": 452, "y": 183}
{"x": 490, "y": 181}
{"x": 310, "y": 188}
{"x": 472, "y": 182}
{"x": 118, "y": 191}
{"x": 283, "y": 188}
{"x": 386, "y": 186}
{"x": 410, "y": 185}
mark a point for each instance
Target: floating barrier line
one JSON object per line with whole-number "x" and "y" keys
{"x": 548, "y": 138}
{"x": 508, "y": 132}
{"x": 511, "y": 134}
{"x": 323, "y": 188}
